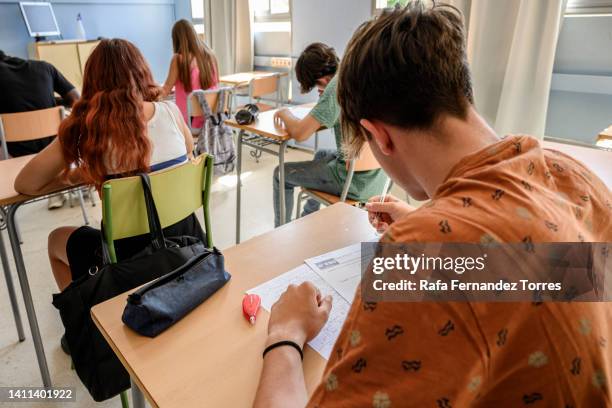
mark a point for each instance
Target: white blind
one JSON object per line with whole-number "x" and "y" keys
{"x": 589, "y": 6}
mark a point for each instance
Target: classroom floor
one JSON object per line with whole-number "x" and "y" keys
{"x": 18, "y": 365}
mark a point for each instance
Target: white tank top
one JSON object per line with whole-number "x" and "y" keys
{"x": 167, "y": 140}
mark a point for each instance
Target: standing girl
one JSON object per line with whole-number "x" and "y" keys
{"x": 193, "y": 66}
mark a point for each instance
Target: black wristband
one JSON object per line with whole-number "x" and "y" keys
{"x": 284, "y": 343}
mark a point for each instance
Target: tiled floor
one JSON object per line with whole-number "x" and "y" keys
{"x": 18, "y": 366}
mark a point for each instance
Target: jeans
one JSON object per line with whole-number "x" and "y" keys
{"x": 314, "y": 174}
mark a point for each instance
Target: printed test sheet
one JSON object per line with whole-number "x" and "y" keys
{"x": 271, "y": 291}
{"x": 341, "y": 269}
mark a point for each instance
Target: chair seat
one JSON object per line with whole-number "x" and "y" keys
{"x": 327, "y": 197}
{"x": 263, "y": 107}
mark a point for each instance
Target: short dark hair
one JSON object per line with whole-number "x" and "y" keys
{"x": 406, "y": 68}
{"x": 315, "y": 62}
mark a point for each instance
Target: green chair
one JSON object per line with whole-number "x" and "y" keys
{"x": 177, "y": 191}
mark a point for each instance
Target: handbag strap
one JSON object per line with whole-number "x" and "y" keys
{"x": 157, "y": 233}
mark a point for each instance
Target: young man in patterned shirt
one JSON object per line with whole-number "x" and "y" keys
{"x": 404, "y": 88}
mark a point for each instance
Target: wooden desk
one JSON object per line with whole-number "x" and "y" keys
{"x": 9, "y": 169}
{"x": 10, "y": 201}
{"x": 212, "y": 357}
{"x": 260, "y": 135}
{"x": 242, "y": 79}
{"x": 598, "y": 160}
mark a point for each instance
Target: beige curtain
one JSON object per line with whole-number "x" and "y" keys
{"x": 511, "y": 50}
{"x": 229, "y": 29}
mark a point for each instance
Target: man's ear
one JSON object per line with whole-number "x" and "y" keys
{"x": 380, "y": 135}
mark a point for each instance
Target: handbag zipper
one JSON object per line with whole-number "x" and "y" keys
{"x": 136, "y": 296}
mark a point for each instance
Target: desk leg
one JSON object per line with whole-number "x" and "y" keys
{"x": 281, "y": 179}
{"x": 9, "y": 284}
{"x": 238, "y": 184}
{"x": 137, "y": 397}
{"x": 27, "y": 295}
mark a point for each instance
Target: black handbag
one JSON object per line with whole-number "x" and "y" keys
{"x": 96, "y": 364}
{"x": 161, "y": 303}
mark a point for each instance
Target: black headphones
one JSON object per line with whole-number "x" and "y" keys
{"x": 247, "y": 115}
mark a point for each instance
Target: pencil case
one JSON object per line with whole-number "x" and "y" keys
{"x": 161, "y": 303}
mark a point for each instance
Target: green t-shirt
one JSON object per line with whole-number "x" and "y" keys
{"x": 365, "y": 184}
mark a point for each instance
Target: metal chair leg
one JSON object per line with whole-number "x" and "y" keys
{"x": 18, "y": 232}
{"x": 298, "y": 205}
{"x": 125, "y": 402}
{"x": 91, "y": 196}
{"x": 82, "y": 203}
{"x": 11, "y": 290}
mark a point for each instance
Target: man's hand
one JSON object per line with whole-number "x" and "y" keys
{"x": 298, "y": 315}
{"x": 279, "y": 117}
{"x": 381, "y": 215}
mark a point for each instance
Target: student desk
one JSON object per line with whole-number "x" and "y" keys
{"x": 242, "y": 79}
{"x": 212, "y": 357}
{"x": 260, "y": 135}
{"x": 10, "y": 201}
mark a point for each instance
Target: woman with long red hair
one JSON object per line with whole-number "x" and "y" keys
{"x": 193, "y": 66}
{"x": 119, "y": 127}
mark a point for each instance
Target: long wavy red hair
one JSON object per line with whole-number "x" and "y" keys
{"x": 106, "y": 131}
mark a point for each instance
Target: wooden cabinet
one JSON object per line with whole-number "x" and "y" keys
{"x": 69, "y": 57}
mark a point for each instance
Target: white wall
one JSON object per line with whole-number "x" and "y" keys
{"x": 329, "y": 21}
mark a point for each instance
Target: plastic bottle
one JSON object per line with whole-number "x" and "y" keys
{"x": 80, "y": 29}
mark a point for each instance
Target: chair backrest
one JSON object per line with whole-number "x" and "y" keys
{"x": 212, "y": 98}
{"x": 366, "y": 160}
{"x": 32, "y": 125}
{"x": 264, "y": 85}
{"x": 178, "y": 192}
{"x": 195, "y": 110}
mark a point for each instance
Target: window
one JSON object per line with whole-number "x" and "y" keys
{"x": 272, "y": 10}
{"x": 381, "y": 4}
{"x": 581, "y": 8}
{"x": 197, "y": 15}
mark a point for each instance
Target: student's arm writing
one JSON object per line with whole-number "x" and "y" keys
{"x": 298, "y": 129}
{"x": 42, "y": 173}
{"x": 171, "y": 78}
{"x": 298, "y": 316}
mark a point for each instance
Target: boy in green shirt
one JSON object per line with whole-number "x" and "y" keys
{"x": 327, "y": 172}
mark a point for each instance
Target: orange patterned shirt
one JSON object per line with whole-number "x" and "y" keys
{"x": 452, "y": 354}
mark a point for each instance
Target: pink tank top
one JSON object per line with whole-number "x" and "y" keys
{"x": 181, "y": 94}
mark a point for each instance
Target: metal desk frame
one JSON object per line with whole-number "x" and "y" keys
{"x": 260, "y": 143}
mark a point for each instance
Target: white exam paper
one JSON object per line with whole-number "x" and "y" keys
{"x": 341, "y": 269}
{"x": 271, "y": 291}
